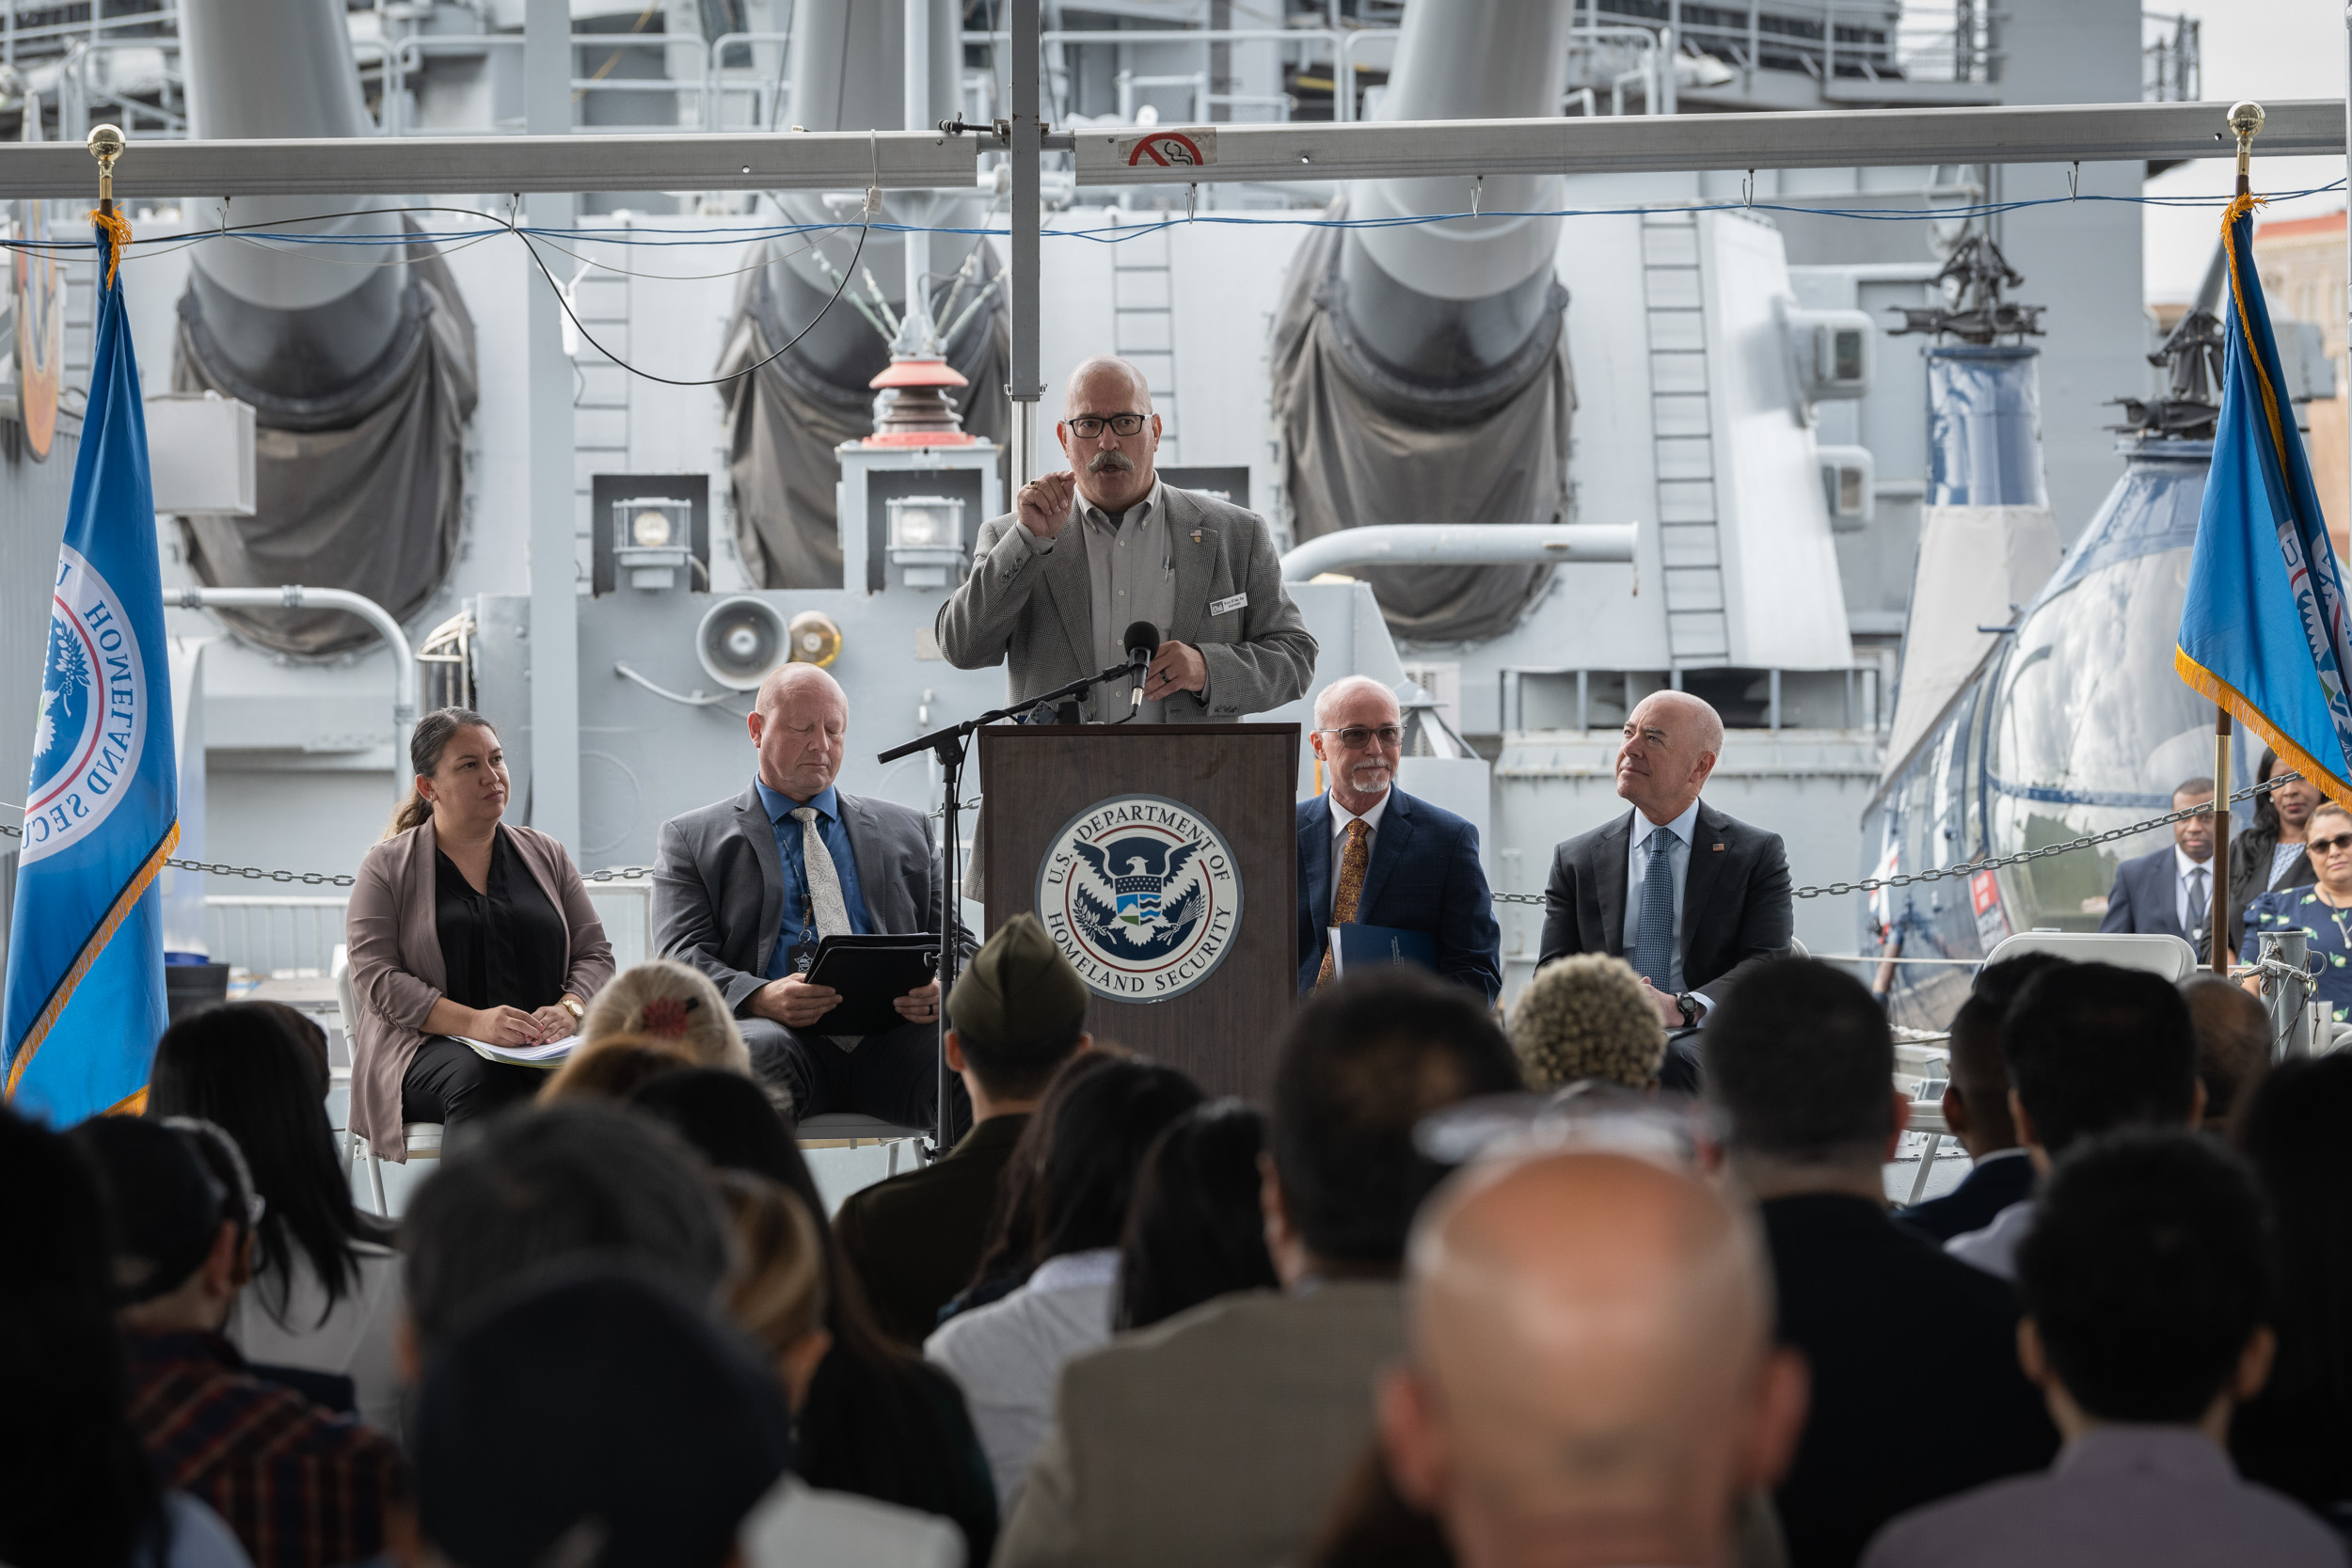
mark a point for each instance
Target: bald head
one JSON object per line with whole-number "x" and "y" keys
{"x": 800, "y": 727}
{"x": 1113, "y": 469}
{"x": 1592, "y": 1378}
{"x": 1106, "y": 384}
{"x": 1670, "y": 744}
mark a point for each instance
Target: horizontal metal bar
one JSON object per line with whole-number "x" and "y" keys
{"x": 1660, "y": 144}
{"x": 1457, "y": 545}
{"x": 398, "y": 165}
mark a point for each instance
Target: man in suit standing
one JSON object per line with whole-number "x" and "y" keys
{"x": 1685, "y": 895}
{"x": 1369, "y": 854}
{"x": 2169, "y": 893}
{"x": 1090, "y": 551}
{"x": 744, "y": 890}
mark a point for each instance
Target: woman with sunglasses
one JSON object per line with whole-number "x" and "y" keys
{"x": 2323, "y": 911}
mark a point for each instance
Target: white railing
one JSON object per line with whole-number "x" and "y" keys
{"x": 266, "y": 933}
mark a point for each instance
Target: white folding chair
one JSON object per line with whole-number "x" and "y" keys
{"x": 424, "y": 1138}
{"x": 839, "y": 1127}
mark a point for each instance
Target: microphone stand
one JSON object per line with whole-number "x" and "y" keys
{"x": 949, "y": 746}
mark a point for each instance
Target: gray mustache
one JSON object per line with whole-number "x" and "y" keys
{"x": 1112, "y": 459}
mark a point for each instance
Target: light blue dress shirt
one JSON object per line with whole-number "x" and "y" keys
{"x": 1641, "y": 844}
{"x": 799, "y": 923}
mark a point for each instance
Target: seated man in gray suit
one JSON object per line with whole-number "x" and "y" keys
{"x": 1091, "y": 551}
{"x": 744, "y": 889}
{"x": 1685, "y": 895}
{"x": 1219, "y": 1436}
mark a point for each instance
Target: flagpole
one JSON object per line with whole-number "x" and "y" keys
{"x": 2246, "y": 121}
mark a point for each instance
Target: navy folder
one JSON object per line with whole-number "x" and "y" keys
{"x": 1372, "y": 945}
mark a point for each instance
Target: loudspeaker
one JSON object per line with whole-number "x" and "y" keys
{"x": 739, "y": 640}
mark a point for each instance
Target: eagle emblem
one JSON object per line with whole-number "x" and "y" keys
{"x": 1140, "y": 893}
{"x": 1147, "y": 913}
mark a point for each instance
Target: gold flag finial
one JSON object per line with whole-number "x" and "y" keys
{"x": 2246, "y": 123}
{"x": 105, "y": 144}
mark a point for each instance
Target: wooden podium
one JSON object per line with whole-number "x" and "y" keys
{"x": 1163, "y": 861}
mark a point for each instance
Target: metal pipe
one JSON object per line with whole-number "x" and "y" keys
{"x": 294, "y": 596}
{"x": 1462, "y": 545}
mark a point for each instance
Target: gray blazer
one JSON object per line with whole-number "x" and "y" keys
{"x": 718, "y": 883}
{"x": 395, "y": 949}
{"x": 1037, "y": 613}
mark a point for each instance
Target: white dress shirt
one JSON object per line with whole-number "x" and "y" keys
{"x": 800, "y": 1526}
{"x": 1677, "y": 851}
{"x": 1993, "y": 1249}
{"x": 1342, "y": 816}
{"x": 1008, "y": 1356}
{"x": 2183, "y": 869}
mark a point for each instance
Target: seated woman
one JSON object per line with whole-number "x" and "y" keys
{"x": 1586, "y": 1017}
{"x": 2322, "y": 911}
{"x": 326, "y": 1281}
{"x": 461, "y": 925}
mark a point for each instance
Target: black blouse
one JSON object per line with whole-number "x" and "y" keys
{"x": 504, "y": 946}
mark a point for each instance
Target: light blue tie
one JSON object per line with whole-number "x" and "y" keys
{"x": 1654, "y": 939}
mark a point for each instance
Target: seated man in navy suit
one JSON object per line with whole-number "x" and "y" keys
{"x": 2171, "y": 891}
{"x": 1369, "y": 854}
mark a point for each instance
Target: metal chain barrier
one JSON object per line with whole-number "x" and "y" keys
{"x": 1969, "y": 869}
{"x": 1872, "y": 884}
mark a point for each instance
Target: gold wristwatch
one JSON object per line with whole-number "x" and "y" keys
{"x": 571, "y": 1005}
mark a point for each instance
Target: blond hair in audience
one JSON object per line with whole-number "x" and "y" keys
{"x": 776, "y": 1290}
{"x": 1588, "y": 1017}
{"x": 669, "y": 1001}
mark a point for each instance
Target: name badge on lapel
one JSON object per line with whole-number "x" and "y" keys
{"x": 1220, "y": 607}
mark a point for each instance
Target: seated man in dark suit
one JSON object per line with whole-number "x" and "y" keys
{"x": 744, "y": 890}
{"x": 1976, "y": 1107}
{"x": 1684, "y": 893}
{"x": 2169, "y": 893}
{"x": 1369, "y": 854}
{"x": 1016, "y": 1015}
{"x": 1799, "y": 1067}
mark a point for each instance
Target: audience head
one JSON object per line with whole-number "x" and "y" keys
{"x": 1800, "y": 1064}
{"x": 613, "y": 1067}
{"x": 1011, "y": 1251}
{"x": 1975, "y": 1102}
{"x": 673, "y": 1002}
{"x": 799, "y": 726}
{"x": 2145, "y": 1283}
{"x": 1100, "y": 1130}
{"x": 547, "y": 1183}
{"x": 1588, "y": 1017}
{"x": 1017, "y": 1013}
{"x": 1592, "y": 1374}
{"x": 730, "y": 1121}
{"x": 776, "y": 1290}
{"x": 1362, "y": 1062}
{"x": 2232, "y": 1033}
{"x": 242, "y": 1068}
{"x": 76, "y": 1490}
{"x": 460, "y": 774}
{"x": 2093, "y": 1048}
{"x": 2286, "y": 809}
{"x": 1195, "y": 1231}
{"x": 181, "y": 1242}
{"x": 1669, "y": 743}
{"x": 604, "y": 1417}
{"x": 308, "y": 1032}
{"x": 2291, "y": 1129}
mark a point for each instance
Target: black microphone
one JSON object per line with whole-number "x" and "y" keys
{"x": 1143, "y": 640}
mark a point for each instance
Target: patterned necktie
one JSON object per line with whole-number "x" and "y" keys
{"x": 1350, "y": 890}
{"x": 2198, "y": 902}
{"x": 1654, "y": 939}
{"x": 823, "y": 876}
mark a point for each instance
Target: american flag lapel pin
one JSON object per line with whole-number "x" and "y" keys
{"x": 1718, "y": 848}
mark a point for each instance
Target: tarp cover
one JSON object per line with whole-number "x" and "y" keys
{"x": 1355, "y": 455}
{"x": 373, "y": 506}
{"x": 785, "y": 420}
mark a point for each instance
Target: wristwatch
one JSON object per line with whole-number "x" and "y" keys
{"x": 571, "y": 1005}
{"x": 1689, "y": 1003}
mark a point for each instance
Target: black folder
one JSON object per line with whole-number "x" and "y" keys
{"x": 870, "y": 973}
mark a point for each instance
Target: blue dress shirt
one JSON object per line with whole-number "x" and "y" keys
{"x": 798, "y": 924}
{"x": 1645, "y": 843}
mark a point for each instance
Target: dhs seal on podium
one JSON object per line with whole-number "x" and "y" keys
{"x": 1141, "y": 896}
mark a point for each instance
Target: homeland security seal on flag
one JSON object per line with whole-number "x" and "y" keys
{"x": 93, "y": 712}
{"x": 1141, "y": 896}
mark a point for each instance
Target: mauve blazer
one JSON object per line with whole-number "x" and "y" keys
{"x": 396, "y": 969}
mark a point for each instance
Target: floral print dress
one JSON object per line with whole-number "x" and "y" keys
{"x": 2329, "y": 929}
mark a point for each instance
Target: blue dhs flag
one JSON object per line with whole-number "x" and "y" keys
{"x": 2264, "y": 629}
{"x": 85, "y": 949}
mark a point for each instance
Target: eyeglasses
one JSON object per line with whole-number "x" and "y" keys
{"x": 2330, "y": 845}
{"x": 1089, "y": 427}
{"x": 1357, "y": 737}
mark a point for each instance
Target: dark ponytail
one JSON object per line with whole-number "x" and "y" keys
{"x": 426, "y": 742}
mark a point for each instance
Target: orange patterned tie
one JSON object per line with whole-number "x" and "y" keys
{"x": 1351, "y": 888}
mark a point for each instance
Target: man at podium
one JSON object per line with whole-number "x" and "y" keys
{"x": 1089, "y": 552}
{"x": 1370, "y": 855}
